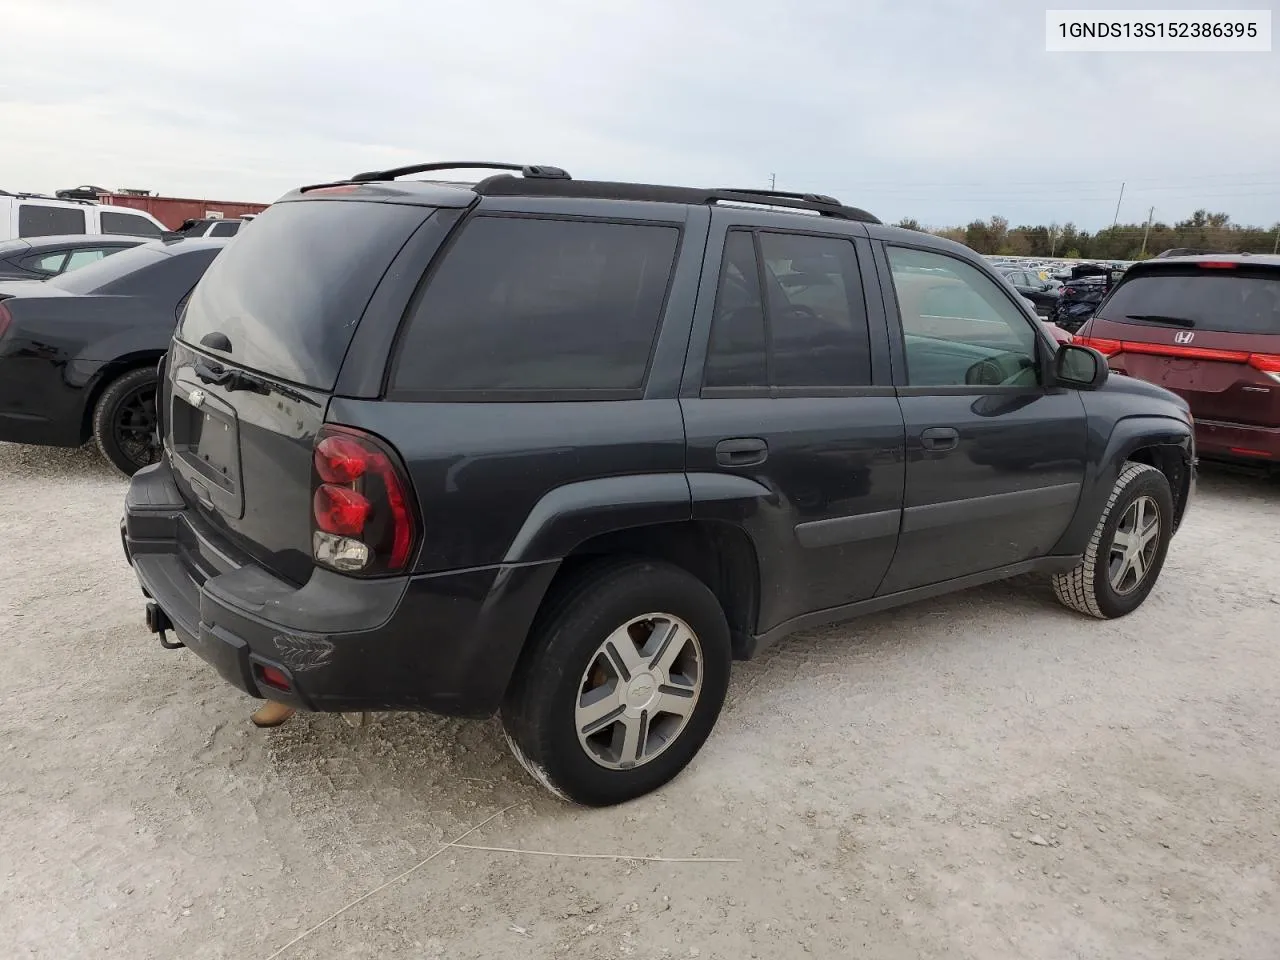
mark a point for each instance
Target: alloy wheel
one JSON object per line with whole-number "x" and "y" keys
{"x": 639, "y": 691}
{"x": 134, "y": 426}
{"x": 1134, "y": 545}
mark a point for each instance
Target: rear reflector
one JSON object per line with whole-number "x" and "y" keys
{"x": 273, "y": 677}
{"x": 1247, "y": 452}
{"x": 6, "y": 318}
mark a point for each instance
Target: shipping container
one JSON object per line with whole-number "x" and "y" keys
{"x": 174, "y": 211}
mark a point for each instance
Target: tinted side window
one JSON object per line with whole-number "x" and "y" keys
{"x": 128, "y": 225}
{"x": 736, "y": 352}
{"x": 959, "y": 327}
{"x": 539, "y": 305}
{"x": 817, "y": 319}
{"x": 39, "y": 220}
{"x": 226, "y": 228}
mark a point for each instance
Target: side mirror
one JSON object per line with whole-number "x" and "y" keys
{"x": 1080, "y": 367}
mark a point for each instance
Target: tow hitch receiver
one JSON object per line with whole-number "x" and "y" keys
{"x": 158, "y": 622}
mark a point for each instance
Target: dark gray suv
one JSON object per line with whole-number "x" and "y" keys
{"x": 565, "y": 449}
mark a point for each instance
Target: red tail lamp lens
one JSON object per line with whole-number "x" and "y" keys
{"x": 341, "y": 459}
{"x": 1108, "y": 348}
{"x": 340, "y": 510}
{"x": 363, "y": 495}
{"x": 1266, "y": 362}
{"x": 6, "y": 318}
{"x": 1217, "y": 265}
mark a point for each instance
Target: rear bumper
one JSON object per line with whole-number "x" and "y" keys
{"x": 445, "y": 643}
{"x": 1240, "y": 442}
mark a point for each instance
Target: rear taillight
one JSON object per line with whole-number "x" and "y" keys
{"x": 1268, "y": 363}
{"x": 6, "y": 318}
{"x": 1217, "y": 265}
{"x": 1108, "y": 348}
{"x": 361, "y": 513}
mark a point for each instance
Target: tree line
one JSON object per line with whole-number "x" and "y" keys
{"x": 1125, "y": 241}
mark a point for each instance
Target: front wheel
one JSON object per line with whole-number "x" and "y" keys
{"x": 1127, "y": 549}
{"x": 124, "y": 421}
{"x": 625, "y": 677}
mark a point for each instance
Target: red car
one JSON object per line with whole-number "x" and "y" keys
{"x": 1207, "y": 328}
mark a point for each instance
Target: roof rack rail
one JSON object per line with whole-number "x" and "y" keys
{"x": 602, "y": 190}
{"x": 815, "y": 198}
{"x": 532, "y": 171}
{"x": 24, "y": 195}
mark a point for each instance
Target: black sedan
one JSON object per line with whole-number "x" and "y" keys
{"x": 40, "y": 258}
{"x": 78, "y": 352}
{"x": 1042, "y": 293}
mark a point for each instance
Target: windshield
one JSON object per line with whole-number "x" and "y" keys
{"x": 96, "y": 276}
{"x": 1223, "y": 301}
{"x": 289, "y": 293}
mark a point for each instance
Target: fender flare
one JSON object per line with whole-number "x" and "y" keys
{"x": 1128, "y": 434}
{"x": 574, "y": 513}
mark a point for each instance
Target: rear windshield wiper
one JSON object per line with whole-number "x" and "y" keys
{"x": 234, "y": 380}
{"x": 1161, "y": 318}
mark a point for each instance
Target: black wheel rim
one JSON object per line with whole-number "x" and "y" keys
{"x": 134, "y": 426}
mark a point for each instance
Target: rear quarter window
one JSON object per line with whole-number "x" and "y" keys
{"x": 289, "y": 293}
{"x": 1224, "y": 301}
{"x": 545, "y": 307}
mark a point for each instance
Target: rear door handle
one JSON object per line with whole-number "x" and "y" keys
{"x": 741, "y": 452}
{"x": 940, "y": 438}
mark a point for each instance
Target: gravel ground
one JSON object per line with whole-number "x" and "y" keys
{"x": 984, "y": 775}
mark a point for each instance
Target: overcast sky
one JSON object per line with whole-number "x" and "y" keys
{"x": 935, "y": 110}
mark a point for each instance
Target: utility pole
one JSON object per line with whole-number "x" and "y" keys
{"x": 1147, "y": 232}
{"x": 773, "y": 181}
{"x": 1276, "y": 248}
{"x": 1116, "y": 219}
{"x": 1053, "y": 240}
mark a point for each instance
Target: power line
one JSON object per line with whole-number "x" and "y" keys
{"x": 998, "y": 181}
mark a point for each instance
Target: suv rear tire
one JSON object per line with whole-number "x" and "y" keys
{"x": 1108, "y": 583}
{"x": 126, "y": 412}
{"x": 626, "y": 672}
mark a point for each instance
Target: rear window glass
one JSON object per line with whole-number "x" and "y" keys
{"x": 1225, "y": 301}
{"x": 289, "y": 293}
{"x": 528, "y": 305}
{"x": 38, "y": 220}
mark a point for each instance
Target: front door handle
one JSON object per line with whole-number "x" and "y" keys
{"x": 940, "y": 438}
{"x": 741, "y": 452}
